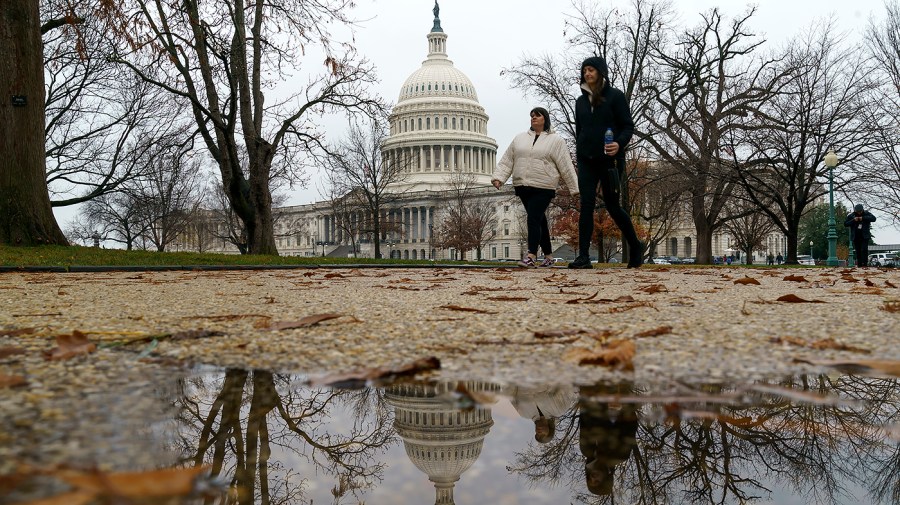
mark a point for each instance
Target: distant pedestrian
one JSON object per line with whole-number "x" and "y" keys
{"x": 536, "y": 159}
{"x": 779, "y": 259}
{"x": 770, "y": 259}
{"x": 603, "y": 128}
{"x": 860, "y": 221}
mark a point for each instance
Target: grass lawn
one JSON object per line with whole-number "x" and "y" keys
{"x": 59, "y": 256}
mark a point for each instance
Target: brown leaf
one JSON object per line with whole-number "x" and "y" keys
{"x": 363, "y": 377}
{"x": 849, "y": 278}
{"x": 869, "y": 283}
{"x": 662, "y": 330}
{"x": 151, "y": 484}
{"x": 829, "y": 343}
{"x": 877, "y": 367}
{"x": 8, "y": 381}
{"x": 789, "y": 340}
{"x": 654, "y": 288}
{"x": 306, "y": 322}
{"x": 892, "y": 306}
{"x": 747, "y": 281}
{"x": 17, "y": 333}
{"x": 889, "y": 284}
{"x": 465, "y": 309}
{"x": 795, "y": 278}
{"x": 70, "y": 346}
{"x": 626, "y": 298}
{"x": 6, "y": 352}
{"x": 618, "y": 354}
{"x": 508, "y": 298}
{"x": 795, "y": 299}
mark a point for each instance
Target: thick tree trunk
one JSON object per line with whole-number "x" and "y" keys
{"x": 26, "y": 217}
{"x": 704, "y": 232}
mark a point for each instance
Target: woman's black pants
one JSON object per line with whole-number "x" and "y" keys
{"x": 590, "y": 174}
{"x": 536, "y": 201}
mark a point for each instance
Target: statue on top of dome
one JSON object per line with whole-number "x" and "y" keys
{"x": 437, "y": 18}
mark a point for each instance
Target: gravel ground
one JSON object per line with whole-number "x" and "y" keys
{"x": 720, "y": 331}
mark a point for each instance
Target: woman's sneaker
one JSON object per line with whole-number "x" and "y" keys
{"x": 548, "y": 262}
{"x": 581, "y": 262}
{"x": 527, "y": 262}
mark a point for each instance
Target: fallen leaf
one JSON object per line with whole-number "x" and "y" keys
{"x": 465, "y": 309}
{"x": 618, "y": 354}
{"x": 508, "y": 298}
{"x": 361, "y": 378}
{"x": 654, "y": 288}
{"x": 892, "y": 306}
{"x": 17, "y": 333}
{"x": 6, "y": 352}
{"x": 795, "y": 278}
{"x": 662, "y": 330}
{"x": 862, "y": 290}
{"x": 889, "y": 284}
{"x": 155, "y": 483}
{"x": 70, "y": 346}
{"x": 626, "y": 298}
{"x": 336, "y": 276}
{"x": 830, "y": 343}
{"x": 869, "y": 283}
{"x": 888, "y": 367}
{"x": 795, "y": 299}
{"x": 8, "y": 381}
{"x": 306, "y": 322}
{"x": 747, "y": 281}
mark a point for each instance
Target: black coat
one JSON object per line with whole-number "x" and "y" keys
{"x": 591, "y": 123}
{"x": 860, "y": 231}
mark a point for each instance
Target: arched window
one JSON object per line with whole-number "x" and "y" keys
{"x": 445, "y": 122}
{"x": 429, "y": 87}
{"x": 454, "y": 123}
{"x": 420, "y": 123}
{"x": 428, "y": 123}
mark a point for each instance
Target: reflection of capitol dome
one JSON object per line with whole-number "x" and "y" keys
{"x": 438, "y": 126}
{"x": 441, "y": 440}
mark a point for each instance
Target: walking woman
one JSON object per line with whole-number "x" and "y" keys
{"x": 536, "y": 159}
{"x": 603, "y": 128}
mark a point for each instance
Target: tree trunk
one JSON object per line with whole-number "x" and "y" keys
{"x": 26, "y": 217}
{"x": 704, "y": 238}
{"x": 793, "y": 230}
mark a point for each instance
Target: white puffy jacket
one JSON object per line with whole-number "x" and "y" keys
{"x": 538, "y": 164}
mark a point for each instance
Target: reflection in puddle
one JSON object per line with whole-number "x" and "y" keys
{"x": 810, "y": 439}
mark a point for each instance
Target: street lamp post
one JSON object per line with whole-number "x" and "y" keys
{"x": 831, "y": 161}
{"x": 811, "y": 257}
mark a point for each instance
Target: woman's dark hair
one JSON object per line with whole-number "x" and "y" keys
{"x": 542, "y": 111}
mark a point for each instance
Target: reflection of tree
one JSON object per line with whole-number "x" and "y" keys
{"x": 238, "y": 423}
{"x": 816, "y": 436}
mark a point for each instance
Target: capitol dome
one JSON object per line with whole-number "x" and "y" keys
{"x": 438, "y": 127}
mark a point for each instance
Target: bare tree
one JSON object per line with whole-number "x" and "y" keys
{"x": 711, "y": 83}
{"x": 95, "y": 117}
{"x": 823, "y": 106}
{"x": 170, "y": 192}
{"x": 221, "y": 56}
{"x": 751, "y": 229}
{"x": 362, "y": 182}
{"x": 115, "y": 217}
{"x": 879, "y": 183}
{"x": 469, "y": 220}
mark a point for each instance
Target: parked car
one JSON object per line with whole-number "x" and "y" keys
{"x": 884, "y": 260}
{"x": 674, "y": 260}
{"x": 689, "y": 261}
{"x": 660, "y": 261}
{"x": 806, "y": 259}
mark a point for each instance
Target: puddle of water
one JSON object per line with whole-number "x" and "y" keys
{"x": 268, "y": 439}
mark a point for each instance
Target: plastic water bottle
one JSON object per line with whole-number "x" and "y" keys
{"x": 608, "y": 136}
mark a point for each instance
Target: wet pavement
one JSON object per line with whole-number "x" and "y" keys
{"x": 263, "y": 437}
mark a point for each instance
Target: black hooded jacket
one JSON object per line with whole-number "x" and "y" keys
{"x": 591, "y": 122}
